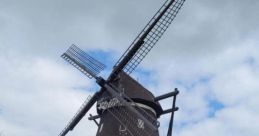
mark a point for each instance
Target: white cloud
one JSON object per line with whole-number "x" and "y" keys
{"x": 237, "y": 121}
{"x": 233, "y": 82}
{"x": 39, "y": 96}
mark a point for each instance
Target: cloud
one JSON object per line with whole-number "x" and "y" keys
{"x": 230, "y": 121}
{"x": 39, "y": 96}
{"x": 232, "y": 77}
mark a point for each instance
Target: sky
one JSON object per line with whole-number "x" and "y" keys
{"x": 210, "y": 53}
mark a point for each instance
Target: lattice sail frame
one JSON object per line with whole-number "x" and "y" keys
{"x": 83, "y": 62}
{"x": 125, "y": 113}
{"x": 153, "y": 36}
{"x": 126, "y": 119}
{"x": 78, "y": 112}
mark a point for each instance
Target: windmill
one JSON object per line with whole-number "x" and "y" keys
{"x": 124, "y": 106}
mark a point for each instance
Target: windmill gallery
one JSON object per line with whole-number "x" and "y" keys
{"x": 122, "y": 101}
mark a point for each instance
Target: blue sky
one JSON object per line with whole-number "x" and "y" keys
{"x": 210, "y": 53}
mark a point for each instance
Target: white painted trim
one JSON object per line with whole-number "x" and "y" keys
{"x": 101, "y": 128}
{"x": 144, "y": 106}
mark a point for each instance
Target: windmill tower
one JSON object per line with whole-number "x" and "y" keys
{"x": 124, "y": 106}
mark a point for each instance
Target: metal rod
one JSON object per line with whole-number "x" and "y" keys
{"x": 174, "y": 93}
{"x": 170, "y": 110}
{"x": 170, "y": 128}
{"x": 94, "y": 119}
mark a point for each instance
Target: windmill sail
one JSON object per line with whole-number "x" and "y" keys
{"x": 128, "y": 114}
{"x": 133, "y": 125}
{"x": 149, "y": 36}
{"x": 83, "y": 62}
{"x": 73, "y": 120}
